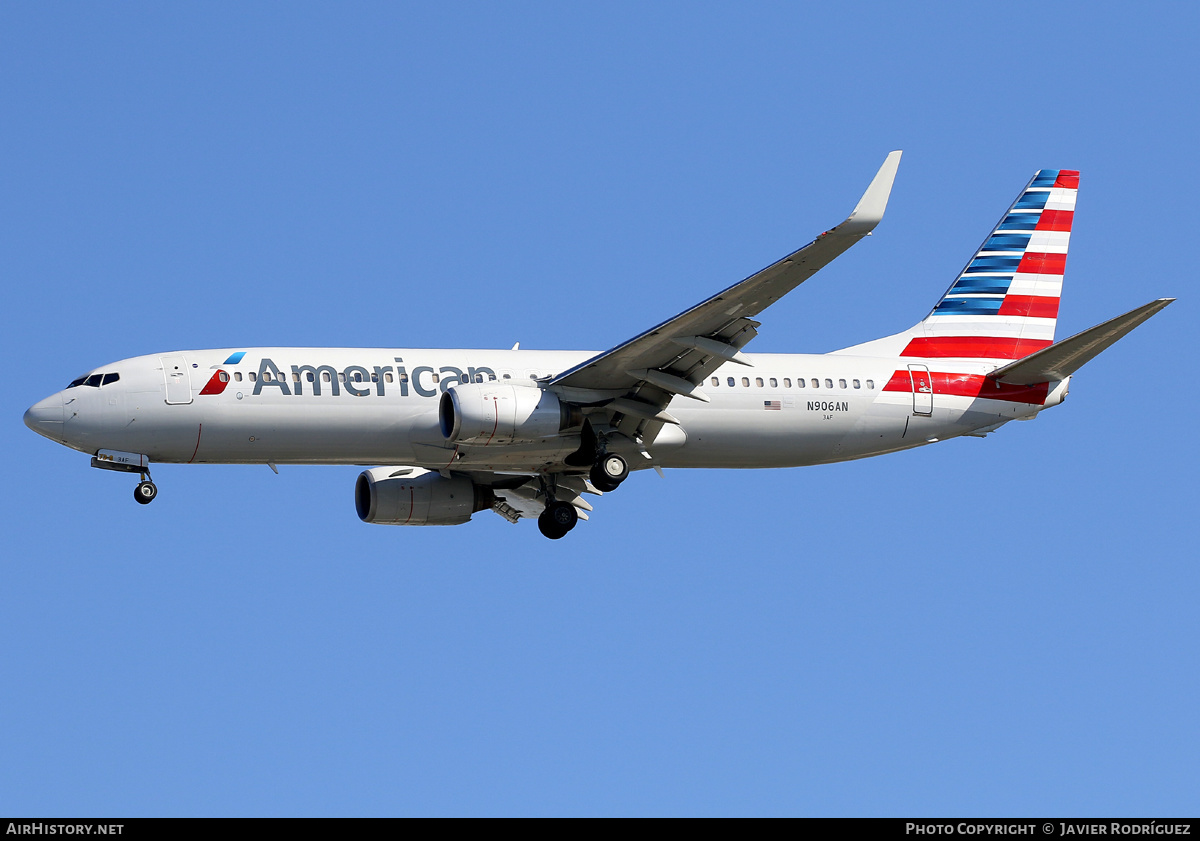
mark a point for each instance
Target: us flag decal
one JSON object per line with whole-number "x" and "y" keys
{"x": 771, "y": 404}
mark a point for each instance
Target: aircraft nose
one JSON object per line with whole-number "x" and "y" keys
{"x": 46, "y": 417}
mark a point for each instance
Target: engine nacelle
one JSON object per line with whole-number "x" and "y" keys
{"x": 410, "y": 496}
{"x": 496, "y": 413}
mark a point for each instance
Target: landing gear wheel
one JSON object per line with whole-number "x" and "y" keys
{"x": 609, "y": 471}
{"x": 145, "y": 492}
{"x": 558, "y": 519}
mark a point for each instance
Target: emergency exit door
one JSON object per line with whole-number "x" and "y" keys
{"x": 922, "y": 389}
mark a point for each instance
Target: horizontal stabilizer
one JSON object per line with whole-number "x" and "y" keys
{"x": 1063, "y": 359}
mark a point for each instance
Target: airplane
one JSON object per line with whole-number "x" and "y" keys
{"x": 528, "y": 434}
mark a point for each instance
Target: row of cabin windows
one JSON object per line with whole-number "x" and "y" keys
{"x": 787, "y": 382}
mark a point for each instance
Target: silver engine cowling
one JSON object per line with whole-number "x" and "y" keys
{"x": 498, "y": 413}
{"x": 410, "y": 496}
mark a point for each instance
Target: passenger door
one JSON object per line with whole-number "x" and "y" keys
{"x": 178, "y": 379}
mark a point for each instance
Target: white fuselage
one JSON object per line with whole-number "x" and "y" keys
{"x": 380, "y": 407}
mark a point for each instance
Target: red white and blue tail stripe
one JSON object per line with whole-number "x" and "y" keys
{"x": 1004, "y": 304}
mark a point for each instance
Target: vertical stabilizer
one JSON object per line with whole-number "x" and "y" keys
{"x": 1004, "y": 304}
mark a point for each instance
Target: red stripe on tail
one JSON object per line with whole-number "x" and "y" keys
{"x": 1033, "y": 306}
{"x": 1068, "y": 179}
{"x": 1055, "y": 220}
{"x": 974, "y": 347}
{"x": 1033, "y": 263}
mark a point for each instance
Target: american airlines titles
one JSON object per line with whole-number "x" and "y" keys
{"x": 359, "y": 380}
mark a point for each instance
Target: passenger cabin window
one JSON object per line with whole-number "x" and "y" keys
{"x": 252, "y": 376}
{"x": 387, "y": 376}
{"x": 508, "y": 376}
{"x": 758, "y": 382}
{"x": 716, "y": 381}
{"x": 841, "y": 383}
{"x": 828, "y": 383}
{"x": 870, "y": 384}
{"x": 221, "y": 375}
{"x": 799, "y": 382}
{"x": 237, "y": 375}
{"x": 295, "y": 376}
{"x": 816, "y": 383}
{"x": 309, "y": 376}
{"x": 857, "y": 384}
{"x": 325, "y": 376}
{"x": 774, "y": 383}
{"x": 787, "y": 382}
{"x": 746, "y": 382}
{"x": 731, "y": 382}
{"x": 112, "y": 378}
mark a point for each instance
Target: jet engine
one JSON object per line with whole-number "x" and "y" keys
{"x": 496, "y": 413}
{"x": 410, "y": 496}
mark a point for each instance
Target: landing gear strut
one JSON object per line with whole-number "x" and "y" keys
{"x": 609, "y": 471}
{"x": 558, "y": 519}
{"x": 146, "y": 490}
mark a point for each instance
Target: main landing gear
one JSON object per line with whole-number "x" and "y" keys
{"x": 558, "y": 519}
{"x": 609, "y": 471}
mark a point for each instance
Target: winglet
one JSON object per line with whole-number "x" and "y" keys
{"x": 873, "y": 203}
{"x": 1061, "y": 360}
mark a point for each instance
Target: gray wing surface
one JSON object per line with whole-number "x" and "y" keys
{"x": 641, "y": 376}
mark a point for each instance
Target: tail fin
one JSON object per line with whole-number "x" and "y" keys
{"x": 1004, "y": 304}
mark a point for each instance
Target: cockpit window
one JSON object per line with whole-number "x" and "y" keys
{"x": 78, "y": 381}
{"x": 94, "y": 380}
{"x": 110, "y": 378}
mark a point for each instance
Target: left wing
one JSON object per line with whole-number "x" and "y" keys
{"x": 637, "y": 379}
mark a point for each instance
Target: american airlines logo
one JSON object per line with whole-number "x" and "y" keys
{"x": 356, "y": 380}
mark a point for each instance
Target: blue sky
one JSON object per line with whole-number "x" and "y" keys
{"x": 997, "y": 627}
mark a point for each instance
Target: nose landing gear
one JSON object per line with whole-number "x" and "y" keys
{"x": 146, "y": 491}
